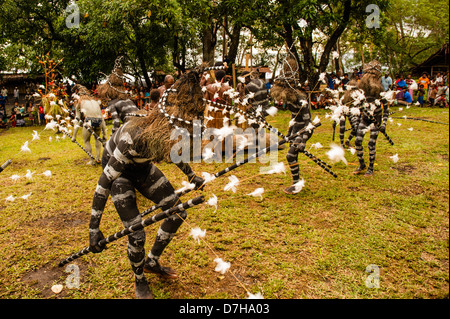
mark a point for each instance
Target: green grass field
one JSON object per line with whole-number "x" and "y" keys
{"x": 315, "y": 244}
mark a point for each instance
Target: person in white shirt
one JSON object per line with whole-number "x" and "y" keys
{"x": 16, "y": 94}
{"x": 386, "y": 82}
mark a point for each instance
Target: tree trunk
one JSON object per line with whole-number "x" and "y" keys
{"x": 209, "y": 45}
{"x": 234, "y": 43}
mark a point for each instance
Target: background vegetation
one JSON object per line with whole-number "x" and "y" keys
{"x": 178, "y": 34}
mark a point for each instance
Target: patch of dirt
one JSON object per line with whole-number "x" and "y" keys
{"x": 404, "y": 168}
{"x": 44, "y": 278}
{"x": 59, "y": 221}
{"x": 444, "y": 157}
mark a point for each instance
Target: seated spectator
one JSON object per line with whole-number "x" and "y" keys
{"x": 407, "y": 98}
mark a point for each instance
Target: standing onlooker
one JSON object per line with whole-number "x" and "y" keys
{"x": 386, "y": 81}
{"x": 5, "y": 93}
{"x": 412, "y": 85}
{"x": 16, "y": 94}
{"x": 331, "y": 81}
{"x": 425, "y": 81}
{"x": 432, "y": 95}
{"x": 420, "y": 95}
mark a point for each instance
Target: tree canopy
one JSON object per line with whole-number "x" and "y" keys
{"x": 179, "y": 34}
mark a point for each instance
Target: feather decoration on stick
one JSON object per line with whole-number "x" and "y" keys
{"x": 29, "y": 175}
{"x": 222, "y": 266}
{"x": 25, "y": 147}
{"x": 197, "y": 233}
{"x": 15, "y": 177}
{"x": 186, "y": 186}
{"x": 234, "y": 182}
{"x": 35, "y": 136}
{"x": 277, "y": 168}
{"x": 208, "y": 177}
{"x": 316, "y": 145}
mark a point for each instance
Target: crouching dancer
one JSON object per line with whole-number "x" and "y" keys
{"x": 128, "y": 166}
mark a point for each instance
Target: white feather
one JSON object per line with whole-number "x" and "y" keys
{"x": 336, "y": 154}
{"x": 272, "y": 111}
{"x": 234, "y": 182}
{"x": 316, "y": 120}
{"x": 222, "y": 266}
{"x": 257, "y": 192}
{"x": 47, "y": 173}
{"x": 212, "y": 201}
{"x": 410, "y": 129}
{"x": 186, "y": 186}
{"x": 208, "y": 177}
{"x": 29, "y": 175}
{"x": 316, "y": 145}
{"x": 10, "y": 198}
{"x": 15, "y": 177}
{"x": 25, "y": 197}
{"x": 51, "y": 125}
{"x": 299, "y": 186}
{"x": 25, "y": 147}
{"x": 258, "y": 295}
{"x": 197, "y": 233}
{"x": 35, "y": 136}
{"x": 309, "y": 127}
{"x": 277, "y": 168}
{"x": 394, "y": 158}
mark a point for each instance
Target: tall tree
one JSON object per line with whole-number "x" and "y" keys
{"x": 309, "y": 29}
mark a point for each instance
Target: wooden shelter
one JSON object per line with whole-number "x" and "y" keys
{"x": 437, "y": 62}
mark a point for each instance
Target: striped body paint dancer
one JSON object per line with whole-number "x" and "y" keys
{"x": 342, "y": 130}
{"x": 119, "y": 110}
{"x": 262, "y": 122}
{"x": 300, "y": 119}
{"x": 374, "y": 123}
{"x": 128, "y": 168}
{"x": 265, "y": 150}
{"x": 124, "y": 172}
